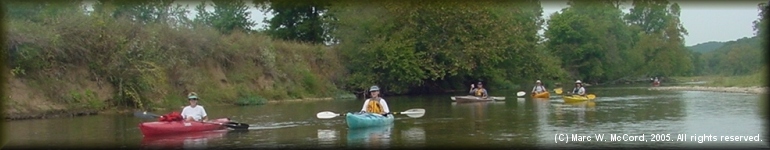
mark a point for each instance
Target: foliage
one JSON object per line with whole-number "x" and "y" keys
{"x": 739, "y": 57}
{"x": 706, "y": 47}
{"x": 228, "y": 15}
{"x": 592, "y": 40}
{"x": 146, "y": 62}
{"x": 662, "y": 37}
{"x": 404, "y": 45}
{"x": 305, "y": 21}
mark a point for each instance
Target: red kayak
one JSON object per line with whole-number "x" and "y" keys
{"x": 182, "y": 141}
{"x": 179, "y": 127}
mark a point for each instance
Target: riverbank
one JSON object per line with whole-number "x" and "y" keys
{"x": 76, "y": 113}
{"x": 749, "y": 90}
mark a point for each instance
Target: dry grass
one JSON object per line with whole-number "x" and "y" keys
{"x": 156, "y": 65}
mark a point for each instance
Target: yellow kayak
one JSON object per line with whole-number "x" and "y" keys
{"x": 542, "y": 95}
{"x": 577, "y": 98}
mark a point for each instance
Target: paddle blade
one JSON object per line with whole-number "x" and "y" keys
{"x": 326, "y": 115}
{"x": 521, "y": 93}
{"x": 237, "y": 125}
{"x": 414, "y": 113}
{"x": 591, "y": 96}
{"x": 557, "y": 91}
{"x": 453, "y": 98}
{"x": 145, "y": 115}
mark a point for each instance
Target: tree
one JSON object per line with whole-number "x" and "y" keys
{"x": 228, "y": 15}
{"x": 661, "y": 37}
{"x": 406, "y": 45}
{"x": 304, "y": 21}
{"x": 42, "y": 11}
{"x": 146, "y": 11}
{"x": 759, "y": 24}
{"x": 592, "y": 40}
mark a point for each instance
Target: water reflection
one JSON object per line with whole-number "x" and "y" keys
{"x": 197, "y": 140}
{"x": 542, "y": 108}
{"x": 327, "y": 136}
{"x": 372, "y": 137}
{"x": 414, "y": 136}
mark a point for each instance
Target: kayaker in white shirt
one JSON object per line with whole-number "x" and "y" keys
{"x": 194, "y": 112}
{"x": 539, "y": 88}
{"x": 375, "y": 104}
{"x": 579, "y": 89}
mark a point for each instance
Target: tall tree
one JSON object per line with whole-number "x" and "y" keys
{"x": 592, "y": 40}
{"x": 759, "y": 24}
{"x": 297, "y": 20}
{"x": 661, "y": 38}
{"x": 228, "y": 15}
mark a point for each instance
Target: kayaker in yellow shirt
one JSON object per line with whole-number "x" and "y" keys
{"x": 375, "y": 104}
{"x": 479, "y": 90}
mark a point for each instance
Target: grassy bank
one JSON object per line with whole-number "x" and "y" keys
{"x": 77, "y": 62}
{"x": 754, "y": 80}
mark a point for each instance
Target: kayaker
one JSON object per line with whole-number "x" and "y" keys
{"x": 194, "y": 112}
{"x": 479, "y": 90}
{"x": 375, "y": 104}
{"x": 539, "y": 88}
{"x": 579, "y": 89}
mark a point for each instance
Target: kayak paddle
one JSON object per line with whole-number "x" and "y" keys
{"x": 234, "y": 125}
{"x": 521, "y": 93}
{"x": 414, "y": 113}
{"x": 558, "y": 91}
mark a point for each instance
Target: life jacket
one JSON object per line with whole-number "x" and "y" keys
{"x": 173, "y": 116}
{"x": 374, "y": 106}
{"x": 480, "y": 92}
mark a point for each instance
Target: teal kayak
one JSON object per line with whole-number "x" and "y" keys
{"x": 360, "y": 120}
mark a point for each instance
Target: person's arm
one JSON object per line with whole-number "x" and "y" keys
{"x": 184, "y": 112}
{"x": 205, "y": 115}
{"x": 582, "y": 91}
{"x": 534, "y": 89}
{"x": 485, "y": 93}
{"x": 385, "y": 106}
{"x": 363, "y": 108}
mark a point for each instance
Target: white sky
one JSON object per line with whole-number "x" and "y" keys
{"x": 704, "y": 20}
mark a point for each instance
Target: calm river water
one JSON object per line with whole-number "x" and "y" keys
{"x": 516, "y": 122}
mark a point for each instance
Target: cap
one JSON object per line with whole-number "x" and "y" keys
{"x": 538, "y": 81}
{"x": 374, "y": 88}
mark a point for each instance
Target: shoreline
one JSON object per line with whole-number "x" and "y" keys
{"x": 77, "y": 113}
{"x": 749, "y": 90}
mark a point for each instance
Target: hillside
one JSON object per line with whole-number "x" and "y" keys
{"x": 82, "y": 64}
{"x": 706, "y": 47}
{"x": 739, "y": 57}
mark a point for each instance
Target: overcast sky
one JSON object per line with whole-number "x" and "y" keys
{"x": 704, "y": 20}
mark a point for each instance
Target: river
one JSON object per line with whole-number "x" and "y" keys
{"x": 624, "y": 111}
